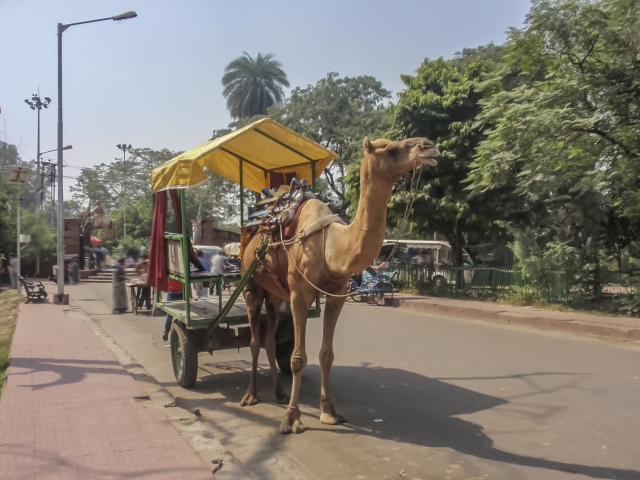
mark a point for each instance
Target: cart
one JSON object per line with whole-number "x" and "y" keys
{"x": 135, "y": 286}
{"x": 256, "y": 157}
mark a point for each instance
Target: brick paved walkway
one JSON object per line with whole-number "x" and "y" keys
{"x": 68, "y": 410}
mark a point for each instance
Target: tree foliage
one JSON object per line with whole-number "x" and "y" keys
{"x": 441, "y": 102}
{"x": 251, "y": 85}
{"x": 562, "y": 120}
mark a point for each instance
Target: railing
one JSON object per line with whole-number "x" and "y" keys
{"x": 477, "y": 281}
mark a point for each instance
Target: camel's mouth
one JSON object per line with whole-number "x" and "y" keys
{"x": 425, "y": 158}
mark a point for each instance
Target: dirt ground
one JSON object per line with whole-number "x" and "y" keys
{"x": 9, "y": 301}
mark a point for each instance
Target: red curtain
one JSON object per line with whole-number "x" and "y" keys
{"x": 158, "y": 268}
{"x": 276, "y": 179}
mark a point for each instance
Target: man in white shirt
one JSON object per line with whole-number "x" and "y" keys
{"x": 217, "y": 264}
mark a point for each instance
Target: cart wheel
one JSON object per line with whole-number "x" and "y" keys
{"x": 352, "y": 291}
{"x": 283, "y": 355}
{"x": 377, "y": 293}
{"x": 383, "y": 293}
{"x": 184, "y": 354}
{"x": 134, "y": 301}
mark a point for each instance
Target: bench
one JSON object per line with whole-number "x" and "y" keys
{"x": 35, "y": 290}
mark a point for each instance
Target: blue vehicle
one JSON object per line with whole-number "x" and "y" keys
{"x": 371, "y": 287}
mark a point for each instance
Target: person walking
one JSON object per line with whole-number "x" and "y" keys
{"x": 217, "y": 266}
{"x": 74, "y": 268}
{"x": 142, "y": 268}
{"x": 174, "y": 293}
{"x": 13, "y": 271}
{"x": 202, "y": 290}
{"x": 119, "y": 287}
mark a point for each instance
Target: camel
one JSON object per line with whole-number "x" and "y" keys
{"x": 324, "y": 260}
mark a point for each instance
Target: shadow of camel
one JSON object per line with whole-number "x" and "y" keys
{"x": 416, "y": 409}
{"x": 68, "y": 370}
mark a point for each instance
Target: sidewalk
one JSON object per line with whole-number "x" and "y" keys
{"x": 69, "y": 410}
{"x": 627, "y": 328}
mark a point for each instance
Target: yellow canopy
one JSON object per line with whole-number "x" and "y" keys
{"x": 263, "y": 147}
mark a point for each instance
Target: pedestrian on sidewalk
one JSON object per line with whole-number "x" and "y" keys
{"x": 13, "y": 271}
{"x": 119, "y": 287}
{"x": 74, "y": 268}
{"x": 142, "y": 269}
{"x": 174, "y": 293}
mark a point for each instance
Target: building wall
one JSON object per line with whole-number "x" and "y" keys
{"x": 216, "y": 237}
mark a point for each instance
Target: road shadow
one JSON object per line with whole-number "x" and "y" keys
{"x": 415, "y": 409}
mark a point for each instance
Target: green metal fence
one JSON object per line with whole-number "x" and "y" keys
{"x": 478, "y": 281}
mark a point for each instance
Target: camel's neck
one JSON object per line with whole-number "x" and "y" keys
{"x": 366, "y": 233}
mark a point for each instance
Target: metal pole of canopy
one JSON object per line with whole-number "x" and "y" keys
{"x": 186, "y": 287}
{"x": 313, "y": 176}
{"x": 241, "y": 195}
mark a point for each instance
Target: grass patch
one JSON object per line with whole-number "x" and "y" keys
{"x": 9, "y": 301}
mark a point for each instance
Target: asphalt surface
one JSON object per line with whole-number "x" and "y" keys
{"x": 425, "y": 396}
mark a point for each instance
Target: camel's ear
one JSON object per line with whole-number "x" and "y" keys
{"x": 368, "y": 146}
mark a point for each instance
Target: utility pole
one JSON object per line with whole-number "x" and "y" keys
{"x": 52, "y": 186}
{"x": 18, "y": 177}
{"x": 125, "y": 148}
{"x": 37, "y": 104}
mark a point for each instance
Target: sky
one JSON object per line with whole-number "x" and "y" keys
{"x": 155, "y": 81}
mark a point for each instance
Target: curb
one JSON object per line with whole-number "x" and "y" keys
{"x": 539, "y": 322}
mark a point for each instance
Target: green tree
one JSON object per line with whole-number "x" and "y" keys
{"x": 563, "y": 126}
{"x": 441, "y": 102}
{"x": 251, "y": 85}
{"x": 337, "y": 112}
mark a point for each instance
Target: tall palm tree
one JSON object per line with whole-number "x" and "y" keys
{"x": 253, "y": 85}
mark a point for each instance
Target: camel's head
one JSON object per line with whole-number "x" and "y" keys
{"x": 392, "y": 160}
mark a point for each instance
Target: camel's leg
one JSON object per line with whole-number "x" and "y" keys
{"x": 332, "y": 310}
{"x": 273, "y": 305}
{"x": 300, "y": 309}
{"x": 254, "y": 296}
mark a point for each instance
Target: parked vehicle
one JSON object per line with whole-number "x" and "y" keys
{"x": 372, "y": 287}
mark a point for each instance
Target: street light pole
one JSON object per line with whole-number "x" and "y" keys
{"x": 37, "y": 104}
{"x": 61, "y": 29}
{"x": 18, "y": 177}
{"x": 125, "y": 148}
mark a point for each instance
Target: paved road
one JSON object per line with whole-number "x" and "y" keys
{"x": 456, "y": 399}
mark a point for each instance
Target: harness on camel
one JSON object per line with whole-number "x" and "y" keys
{"x": 276, "y": 218}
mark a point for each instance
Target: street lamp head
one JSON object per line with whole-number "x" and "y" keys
{"x": 129, "y": 147}
{"x": 119, "y": 146}
{"x": 68, "y": 147}
{"x": 125, "y": 16}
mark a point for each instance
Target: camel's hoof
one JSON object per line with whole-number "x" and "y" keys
{"x": 281, "y": 399}
{"x": 291, "y": 423}
{"x": 295, "y": 427}
{"x": 248, "y": 400}
{"x": 329, "y": 419}
{"x": 280, "y": 396}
